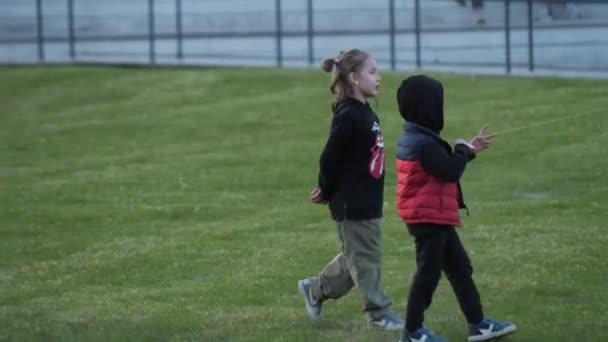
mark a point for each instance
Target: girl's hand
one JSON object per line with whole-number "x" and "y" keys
{"x": 316, "y": 196}
{"x": 482, "y": 141}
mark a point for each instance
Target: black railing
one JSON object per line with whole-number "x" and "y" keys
{"x": 154, "y": 35}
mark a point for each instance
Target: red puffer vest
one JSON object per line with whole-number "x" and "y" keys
{"x": 422, "y": 198}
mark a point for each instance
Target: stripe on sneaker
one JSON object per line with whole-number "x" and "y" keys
{"x": 484, "y": 337}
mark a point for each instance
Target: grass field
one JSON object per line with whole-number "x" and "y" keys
{"x": 167, "y": 205}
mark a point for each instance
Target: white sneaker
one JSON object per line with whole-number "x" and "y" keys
{"x": 313, "y": 307}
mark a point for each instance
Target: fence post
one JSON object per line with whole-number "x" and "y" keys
{"x": 508, "y": 35}
{"x": 151, "y": 31}
{"x": 417, "y": 30}
{"x": 279, "y": 33}
{"x": 530, "y": 37}
{"x": 311, "y": 28}
{"x": 40, "y": 30}
{"x": 179, "y": 29}
{"x": 391, "y": 4}
{"x": 71, "y": 30}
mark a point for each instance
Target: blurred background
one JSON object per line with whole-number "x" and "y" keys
{"x": 491, "y": 36}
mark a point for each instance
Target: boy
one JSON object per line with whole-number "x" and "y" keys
{"x": 428, "y": 199}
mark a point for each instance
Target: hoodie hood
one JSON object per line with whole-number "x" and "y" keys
{"x": 420, "y": 100}
{"x": 348, "y": 102}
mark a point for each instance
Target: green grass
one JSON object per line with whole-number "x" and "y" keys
{"x": 171, "y": 205}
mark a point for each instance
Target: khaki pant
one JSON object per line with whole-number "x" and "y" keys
{"x": 358, "y": 264}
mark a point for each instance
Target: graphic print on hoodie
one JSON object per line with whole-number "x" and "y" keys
{"x": 376, "y": 163}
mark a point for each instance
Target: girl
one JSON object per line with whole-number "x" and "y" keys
{"x": 351, "y": 181}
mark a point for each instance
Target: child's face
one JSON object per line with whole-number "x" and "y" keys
{"x": 368, "y": 78}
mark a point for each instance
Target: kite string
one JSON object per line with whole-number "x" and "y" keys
{"x": 546, "y": 122}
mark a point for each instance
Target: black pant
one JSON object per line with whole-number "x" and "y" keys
{"x": 439, "y": 248}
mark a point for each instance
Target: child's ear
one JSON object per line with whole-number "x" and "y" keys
{"x": 353, "y": 78}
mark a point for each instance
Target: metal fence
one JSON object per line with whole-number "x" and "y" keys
{"x": 402, "y": 34}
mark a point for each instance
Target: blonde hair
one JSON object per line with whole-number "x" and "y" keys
{"x": 347, "y": 62}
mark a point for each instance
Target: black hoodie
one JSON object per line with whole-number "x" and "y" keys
{"x": 351, "y": 175}
{"x": 420, "y": 100}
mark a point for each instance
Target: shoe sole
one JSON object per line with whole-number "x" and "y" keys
{"x": 312, "y": 315}
{"x": 500, "y": 333}
{"x": 389, "y": 328}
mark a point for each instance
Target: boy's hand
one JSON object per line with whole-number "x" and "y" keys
{"x": 482, "y": 141}
{"x": 316, "y": 196}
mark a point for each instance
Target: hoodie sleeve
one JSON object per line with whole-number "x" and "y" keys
{"x": 340, "y": 134}
{"x": 438, "y": 162}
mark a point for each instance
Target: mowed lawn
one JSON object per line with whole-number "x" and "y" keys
{"x": 172, "y": 205}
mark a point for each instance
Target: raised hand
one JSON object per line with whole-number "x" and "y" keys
{"x": 483, "y": 140}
